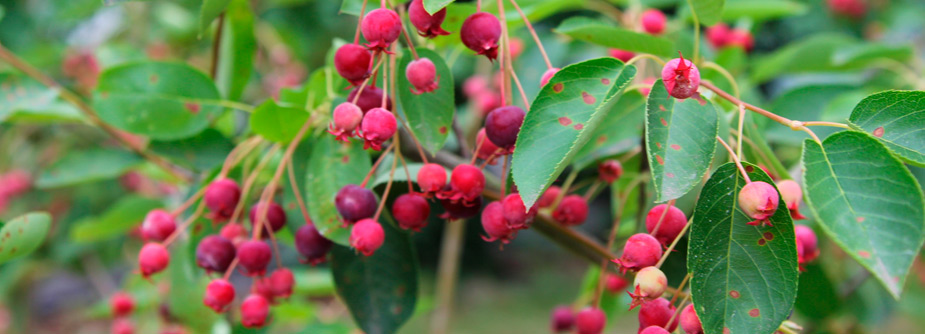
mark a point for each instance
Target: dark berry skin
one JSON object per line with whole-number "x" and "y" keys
{"x": 609, "y": 170}
{"x": 503, "y": 124}
{"x": 370, "y": 97}
{"x": 367, "y": 236}
{"x": 354, "y": 203}
{"x": 573, "y": 210}
{"x": 311, "y": 244}
{"x": 158, "y": 225}
{"x": 254, "y": 256}
{"x": 459, "y": 209}
{"x": 657, "y": 312}
{"x": 153, "y": 259}
{"x": 219, "y": 294}
{"x": 254, "y": 311}
{"x": 380, "y": 28}
{"x": 671, "y": 225}
{"x": 221, "y": 197}
{"x": 590, "y": 320}
{"x": 428, "y": 25}
{"x": 466, "y": 184}
{"x": 276, "y": 217}
{"x": 378, "y": 126}
{"x": 411, "y": 211}
{"x": 563, "y": 319}
{"x": 431, "y": 178}
{"x": 480, "y": 33}
{"x": 641, "y": 250}
{"x": 215, "y": 253}
{"x": 353, "y": 62}
{"x": 122, "y": 304}
{"x": 494, "y": 224}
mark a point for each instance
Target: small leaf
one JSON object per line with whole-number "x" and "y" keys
{"x": 332, "y": 166}
{"x": 762, "y": 10}
{"x": 744, "y": 277}
{"x": 203, "y": 152}
{"x": 589, "y": 30}
{"x": 430, "y": 115}
{"x": 209, "y": 11}
{"x": 237, "y": 50}
{"x": 867, "y": 202}
{"x": 87, "y": 166}
{"x": 121, "y": 217}
{"x": 23, "y": 235}
{"x": 708, "y": 11}
{"x": 277, "y": 123}
{"x": 680, "y": 142}
{"x": 433, "y": 6}
{"x": 25, "y": 100}
{"x": 562, "y": 119}
{"x": 895, "y": 118}
{"x": 353, "y": 7}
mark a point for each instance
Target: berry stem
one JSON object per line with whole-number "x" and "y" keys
{"x": 612, "y": 237}
{"x": 237, "y": 154}
{"x": 519, "y": 87}
{"x": 297, "y": 192}
{"x": 680, "y": 288}
{"x": 414, "y": 139}
{"x": 386, "y": 70}
{"x": 722, "y": 71}
{"x": 388, "y": 185}
{"x": 505, "y": 47}
{"x": 592, "y": 189}
{"x": 662, "y": 217}
{"x": 673, "y": 243}
{"x": 186, "y": 223}
{"x": 536, "y": 38}
{"x": 376, "y": 164}
{"x": 478, "y": 146}
{"x": 404, "y": 31}
{"x": 741, "y": 134}
{"x": 366, "y": 81}
{"x": 356, "y": 36}
{"x": 643, "y": 56}
{"x": 565, "y": 188}
{"x": 234, "y": 263}
{"x": 792, "y": 124}
{"x": 478, "y": 6}
{"x": 407, "y": 172}
{"x": 447, "y": 275}
{"x": 188, "y": 203}
{"x": 735, "y": 158}
{"x": 270, "y": 189}
{"x": 249, "y": 182}
{"x": 832, "y": 124}
{"x": 504, "y": 174}
{"x": 680, "y": 307}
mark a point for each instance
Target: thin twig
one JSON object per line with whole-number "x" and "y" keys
{"x": 735, "y": 159}
{"x": 662, "y": 217}
{"x": 673, "y": 243}
{"x": 536, "y": 38}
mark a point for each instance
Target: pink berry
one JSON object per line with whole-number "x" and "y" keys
{"x": 281, "y": 282}
{"x": 411, "y": 211}
{"x": 494, "y": 224}
{"x": 378, "y": 126}
{"x": 480, "y": 33}
{"x": 742, "y": 39}
{"x": 641, "y": 250}
{"x": 275, "y": 217}
{"x": 719, "y": 35}
{"x": 14, "y": 183}
{"x": 353, "y": 62}
{"x": 122, "y": 304}
{"x": 654, "y": 330}
{"x": 809, "y": 243}
{"x": 122, "y": 326}
{"x": 460, "y": 209}
{"x": 354, "y": 203}
{"x": 380, "y": 27}
{"x": 153, "y": 259}
{"x": 422, "y": 74}
{"x": 653, "y": 21}
{"x": 792, "y": 195}
{"x": 623, "y": 55}
{"x": 427, "y": 25}
{"x": 671, "y": 225}
{"x": 503, "y": 124}
{"x": 590, "y": 320}
{"x": 517, "y": 47}
{"x": 254, "y": 256}
{"x": 573, "y": 210}
{"x": 311, "y": 244}
{"x": 234, "y": 232}
{"x": 548, "y": 197}
{"x": 221, "y": 197}
{"x": 487, "y": 150}
{"x": 158, "y": 225}
{"x": 215, "y": 253}
{"x": 609, "y": 170}
{"x": 758, "y": 201}
{"x": 431, "y": 178}
{"x": 485, "y": 102}
{"x": 563, "y": 319}
{"x": 515, "y": 212}
{"x": 681, "y": 78}
{"x": 367, "y": 236}
{"x": 219, "y": 294}
{"x": 657, "y": 313}
{"x": 475, "y": 85}
{"x": 615, "y": 283}
{"x": 370, "y": 97}
{"x": 466, "y": 184}
{"x": 254, "y": 311}
{"x": 650, "y": 283}
{"x": 690, "y": 322}
{"x": 849, "y": 8}
{"x": 346, "y": 119}
{"x": 548, "y": 75}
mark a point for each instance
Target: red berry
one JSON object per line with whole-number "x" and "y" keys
{"x": 378, "y": 126}
{"x": 653, "y": 21}
{"x": 215, "y": 253}
{"x": 347, "y": 117}
{"x": 367, "y": 236}
{"x": 641, "y": 250}
{"x": 563, "y": 319}
{"x": 758, "y": 201}
{"x": 517, "y": 47}
{"x": 431, "y": 178}
{"x": 221, "y": 197}
{"x": 671, "y": 225}
{"x": 122, "y": 304}
{"x": 657, "y": 313}
{"x": 353, "y": 62}
{"x": 573, "y": 210}
{"x": 719, "y": 35}
{"x": 411, "y": 211}
{"x": 487, "y": 101}
{"x": 792, "y": 195}
{"x": 254, "y": 311}
{"x": 475, "y": 85}
{"x": 219, "y": 294}
{"x": 354, "y": 203}
{"x": 850, "y": 8}
{"x": 609, "y": 170}
{"x": 615, "y": 283}
{"x": 548, "y": 75}
{"x": 311, "y": 244}
{"x": 480, "y": 33}
{"x": 460, "y": 209}
{"x": 494, "y": 224}
{"x": 503, "y": 124}
{"x": 122, "y": 326}
{"x": 654, "y": 330}
{"x": 275, "y": 217}
{"x": 690, "y": 322}
{"x": 158, "y": 225}
{"x": 427, "y": 25}
{"x": 380, "y": 28}
{"x": 548, "y": 197}
{"x": 623, "y": 55}
{"x": 648, "y": 82}
{"x": 650, "y": 283}
{"x": 370, "y": 97}
{"x": 487, "y": 150}
{"x": 422, "y": 74}
{"x": 254, "y": 256}
{"x": 234, "y": 232}
{"x": 681, "y": 78}
{"x": 808, "y": 243}
{"x": 742, "y": 39}
{"x": 466, "y": 184}
{"x": 590, "y": 320}
{"x": 515, "y": 212}
{"x": 280, "y": 283}
{"x": 153, "y": 259}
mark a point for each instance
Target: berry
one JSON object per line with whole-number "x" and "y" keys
{"x": 494, "y": 224}
{"x": 792, "y": 195}
{"x": 480, "y": 33}
{"x": 654, "y": 330}
{"x": 215, "y": 253}
{"x": 367, "y": 236}
{"x": 222, "y": 197}
{"x": 719, "y": 35}
{"x": 253, "y": 256}
{"x": 849, "y": 8}
{"x": 615, "y": 283}
{"x": 311, "y": 244}
{"x": 158, "y": 225}
{"x": 516, "y": 46}
{"x": 380, "y": 27}
{"x": 122, "y": 326}
{"x": 742, "y": 39}
{"x": 563, "y": 319}
{"x": 427, "y": 25}
{"x": 370, "y": 97}
{"x": 515, "y": 212}
{"x": 122, "y": 304}
{"x": 152, "y": 259}
{"x": 808, "y": 242}
{"x": 671, "y": 225}
{"x": 657, "y": 313}
{"x": 573, "y": 210}
{"x": 487, "y": 150}
{"x": 486, "y": 102}
{"x": 548, "y": 197}
{"x": 234, "y": 232}
{"x": 353, "y": 62}
{"x": 759, "y": 201}
{"x": 378, "y": 126}
{"x": 690, "y": 322}
{"x": 590, "y": 320}
{"x": 648, "y": 82}
{"x": 623, "y": 55}
{"x": 466, "y": 184}
{"x": 503, "y": 124}
{"x": 460, "y": 209}
{"x": 347, "y": 117}
{"x": 653, "y": 21}
{"x": 431, "y": 178}
{"x": 354, "y": 203}
{"x": 422, "y": 74}
{"x": 641, "y": 250}
{"x": 411, "y": 211}
{"x": 650, "y": 283}
{"x": 219, "y": 294}
{"x": 276, "y": 217}
{"x": 609, "y": 170}
{"x": 254, "y": 311}
{"x": 681, "y": 78}
{"x": 280, "y": 283}
{"x": 548, "y": 75}
{"x": 475, "y": 85}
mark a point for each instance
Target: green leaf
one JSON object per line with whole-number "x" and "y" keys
{"x": 121, "y": 217}
{"x": 562, "y": 119}
{"x": 87, "y": 166}
{"x": 762, "y": 10}
{"x": 187, "y": 288}
{"x": 744, "y": 277}
{"x": 380, "y": 290}
{"x": 23, "y": 235}
{"x": 277, "y": 123}
{"x": 680, "y": 141}
{"x": 867, "y": 202}
{"x": 209, "y": 11}
{"x": 353, "y": 7}
{"x": 433, "y": 6}
{"x": 817, "y": 297}
{"x": 332, "y": 166}
{"x": 25, "y": 100}
{"x": 805, "y": 103}
{"x": 896, "y": 118}
{"x": 618, "y": 132}
{"x": 430, "y": 115}
{"x": 203, "y": 152}
{"x": 708, "y": 11}
{"x": 589, "y": 30}
{"x": 237, "y": 50}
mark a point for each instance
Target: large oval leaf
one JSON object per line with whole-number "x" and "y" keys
{"x": 238, "y": 50}
{"x": 430, "y": 115}
{"x": 680, "y": 141}
{"x": 897, "y": 119}
{"x": 562, "y": 119}
{"x": 205, "y": 151}
{"x": 23, "y": 235}
{"x": 26, "y": 100}
{"x": 87, "y": 166}
{"x": 708, "y": 11}
{"x": 744, "y": 277}
{"x": 867, "y": 202}
{"x": 160, "y": 100}
{"x": 277, "y": 123}
{"x": 608, "y": 35}
{"x": 618, "y": 132}
{"x": 332, "y": 165}
{"x": 121, "y": 217}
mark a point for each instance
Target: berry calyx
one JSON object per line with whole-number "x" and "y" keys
{"x": 494, "y": 224}
{"x": 690, "y": 322}
{"x": 609, "y": 170}
{"x": 219, "y": 294}
{"x": 428, "y": 25}
{"x": 370, "y": 97}
{"x": 354, "y": 203}
{"x": 378, "y": 126}
{"x": 215, "y": 253}
{"x": 657, "y": 312}
{"x": 158, "y": 225}
{"x": 422, "y": 74}
{"x": 615, "y": 283}
{"x": 347, "y": 117}
{"x": 562, "y": 320}
{"x": 650, "y": 283}
{"x": 431, "y": 178}
{"x": 480, "y": 33}
{"x": 153, "y": 259}
{"x": 353, "y": 62}
{"x": 121, "y": 304}
{"x": 759, "y": 201}
{"x": 549, "y": 196}
{"x": 254, "y": 256}
{"x": 466, "y": 184}
{"x": 792, "y": 195}
{"x": 276, "y": 217}
{"x": 671, "y": 225}
{"x": 590, "y": 320}
{"x": 516, "y": 213}
{"x": 487, "y": 150}
{"x": 367, "y": 236}
{"x": 641, "y": 250}
{"x": 653, "y": 21}
{"x": 808, "y": 242}
{"x": 622, "y": 55}
{"x": 411, "y": 211}
{"x": 460, "y": 209}
{"x": 548, "y": 75}
{"x": 311, "y": 244}
{"x": 573, "y": 210}
{"x": 221, "y": 197}
{"x": 380, "y": 27}
{"x": 254, "y": 311}
{"x": 503, "y": 124}
{"x": 681, "y": 78}
{"x": 654, "y": 330}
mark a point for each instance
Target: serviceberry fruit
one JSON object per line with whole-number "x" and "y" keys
{"x": 503, "y": 124}
{"x": 221, "y": 197}
{"x": 671, "y": 225}
{"x": 515, "y": 212}
{"x": 759, "y": 201}
{"x": 367, "y": 236}
{"x": 615, "y": 283}
{"x": 346, "y": 119}
{"x": 460, "y": 209}
{"x": 122, "y": 326}
{"x": 563, "y": 319}
{"x": 215, "y": 253}
{"x": 466, "y": 184}
{"x": 516, "y": 46}
{"x": 422, "y": 74}
{"x": 311, "y": 244}
{"x": 609, "y": 170}
{"x": 548, "y": 75}
{"x": 849, "y": 8}
{"x": 219, "y": 294}
{"x": 719, "y": 35}
{"x": 590, "y": 320}
{"x": 254, "y": 256}
{"x": 641, "y": 250}
{"x": 681, "y": 78}
{"x": 353, "y": 62}
{"x": 573, "y": 210}
{"x": 234, "y": 232}
{"x": 792, "y": 195}
{"x": 378, "y": 126}
{"x": 549, "y": 196}
{"x": 122, "y": 304}
{"x": 654, "y": 330}
{"x": 380, "y": 27}
{"x": 354, "y": 203}
{"x": 808, "y": 242}
{"x": 370, "y": 97}
{"x": 494, "y": 224}
{"x": 431, "y": 178}
{"x": 254, "y": 311}
{"x": 742, "y": 39}
{"x": 623, "y": 55}
{"x": 653, "y": 21}
{"x": 276, "y": 217}
{"x": 690, "y": 322}
{"x": 475, "y": 85}
{"x": 650, "y": 283}
{"x": 158, "y": 225}
{"x": 152, "y": 259}
{"x": 411, "y": 211}
{"x": 280, "y": 283}
{"x": 428, "y": 25}
{"x": 657, "y": 312}
{"x": 487, "y": 150}
{"x": 480, "y": 33}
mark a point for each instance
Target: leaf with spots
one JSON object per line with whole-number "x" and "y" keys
{"x": 867, "y": 202}
{"x": 23, "y": 235}
{"x": 563, "y": 118}
{"x": 680, "y": 142}
{"x": 380, "y": 290}
{"x": 430, "y": 115}
{"x": 606, "y": 34}
{"x": 897, "y": 119}
{"x": 277, "y": 123}
{"x": 92, "y": 165}
{"x": 164, "y": 101}
{"x": 617, "y": 133}
{"x": 26, "y": 100}
{"x": 744, "y": 277}
{"x": 331, "y": 166}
